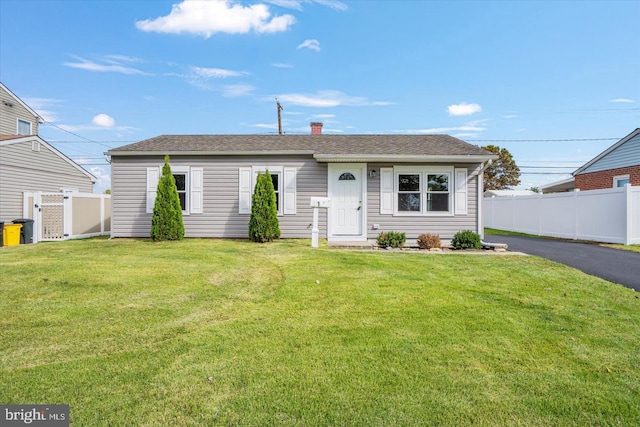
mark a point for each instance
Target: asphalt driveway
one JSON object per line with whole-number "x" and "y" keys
{"x": 614, "y": 265}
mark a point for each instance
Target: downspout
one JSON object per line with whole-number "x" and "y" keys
{"x": 480, "y": 196}
{"x": 485, "y": 245}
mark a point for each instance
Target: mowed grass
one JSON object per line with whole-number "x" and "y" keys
{"x": 221, "y": 332}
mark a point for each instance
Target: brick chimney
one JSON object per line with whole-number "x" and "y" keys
{"x": 316, "y": 128}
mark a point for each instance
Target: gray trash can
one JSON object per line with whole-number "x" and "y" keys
{"x": 26, "y": 234}
{"x": 1, "y": 233}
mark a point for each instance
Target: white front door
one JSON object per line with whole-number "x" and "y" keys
{"x": 346, "y": 188}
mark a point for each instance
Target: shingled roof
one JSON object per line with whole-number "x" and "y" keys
{"x": 322, "y": 147}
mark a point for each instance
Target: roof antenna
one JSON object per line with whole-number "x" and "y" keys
{"x": 280, "y": 108}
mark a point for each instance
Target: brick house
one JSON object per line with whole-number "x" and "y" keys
{"x": 616, "y": 166}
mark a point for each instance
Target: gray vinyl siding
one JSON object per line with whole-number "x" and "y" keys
{"x": 413, "y": 226}
{"x": 22, "y": 169}
{"x": 220, "y": 217}
{"x": 627, "y": 154}
{"x": 9, "y": 115}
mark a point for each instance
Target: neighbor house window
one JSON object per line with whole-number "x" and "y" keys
{"x": 423, "y": 191}
{"x": 621, "y": 181}
{"x": 24, "y": 127}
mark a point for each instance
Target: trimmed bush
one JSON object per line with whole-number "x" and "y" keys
{"x": 466, "y": 239}
{"x": 166, "y": 222}
{"x": 263, "y": 224}
{"x": 391, "y": 239}
{"x": 429, "y": 241}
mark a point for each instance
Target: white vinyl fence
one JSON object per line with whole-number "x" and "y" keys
{"x": 610, "y": 215}
{"x": 68, "y": 215}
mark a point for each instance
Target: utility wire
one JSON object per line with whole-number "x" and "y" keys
{"x": 544, "y": 140}
{"x": 75, "y": 134}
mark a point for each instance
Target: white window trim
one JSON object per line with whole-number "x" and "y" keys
{"x": 193, "y": 185}
{"x": 423, "y": 172}
{"x": 286, "y": 187}
{"x": 23, "y": 121}
{"x": 620, "y": 178}
{"x": 184, "y": 170}
{"x": 273, "y": 170}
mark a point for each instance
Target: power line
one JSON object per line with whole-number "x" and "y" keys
{"x": 75, "y": 134}
{"x": 548, "y": 167}
{"x": 545, "y": 173}
{"x": 544, "y": 140}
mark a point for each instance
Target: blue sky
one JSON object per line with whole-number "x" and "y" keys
{"x": 551, "y": 81}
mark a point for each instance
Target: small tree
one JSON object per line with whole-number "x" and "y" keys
{"x": 263, "y": 224}
{"x": 503, "y": 173}
{"x": 166, "y": 222}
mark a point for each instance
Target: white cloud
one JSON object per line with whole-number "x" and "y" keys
{"x": 333, "y": 4}
{"x": 281, "y": 65}
{"x": 327, "y": 98}
{"x": 206, "y": 18}
{"x": 289, "y": 4}
{"x": 103, "y": 178}
{"x": 297, "y": 4}
{"x": 44, "y": 106}
{"x": 109, "y": 65}
{"x": 469, "y": 127}
{"x": 265, "y": 125}
{"x": 234, "y": 91}
{"x": 323, "y": 116}
{"x": 103, "y": 120}
{"x": 217, "y": 73}
{"x": 463, "y": 109}
{"x": 510, "y": 116}
{"x": 312, "y": 44}
{"x": 622, "y": 101}
{"x": 119, "y": 59}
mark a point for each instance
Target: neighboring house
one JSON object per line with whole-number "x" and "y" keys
{"x": 28, "y": 164}
{"x": 16, "y": 117}
{"x": 407, "y": 183}
{"x": 562, "y": 186}
{"x": 616, "y": 166}
{"x": 508, "y": 193}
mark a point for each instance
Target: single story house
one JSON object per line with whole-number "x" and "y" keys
{"x": 562, "y": 186}
{"x": 614, "y": 167}
{"x": 407, "y": 183}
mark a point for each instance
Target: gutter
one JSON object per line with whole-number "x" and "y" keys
{"x": 402, "y": 158}
{"x": 207, "y": 153}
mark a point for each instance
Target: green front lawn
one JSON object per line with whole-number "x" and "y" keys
{"x": 220, "y": 332}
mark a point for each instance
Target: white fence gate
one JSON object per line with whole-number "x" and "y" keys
{"x": 69, "y": 215}
{"x": 611, "y": 215}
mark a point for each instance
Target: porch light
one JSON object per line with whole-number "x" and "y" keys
{"x": 373, "y": 173}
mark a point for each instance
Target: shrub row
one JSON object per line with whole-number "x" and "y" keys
{"x": 466, "y": 239}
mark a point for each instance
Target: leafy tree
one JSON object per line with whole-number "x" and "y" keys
{"x": 263, "y": 224}
{"x": 107, "y": 191}
{"x": 534, "y": 189}
{"x": 503, "y": 173}
{"x": 166, "y": 222}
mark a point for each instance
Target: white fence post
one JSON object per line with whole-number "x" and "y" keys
{"x": 628, "y": 214}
